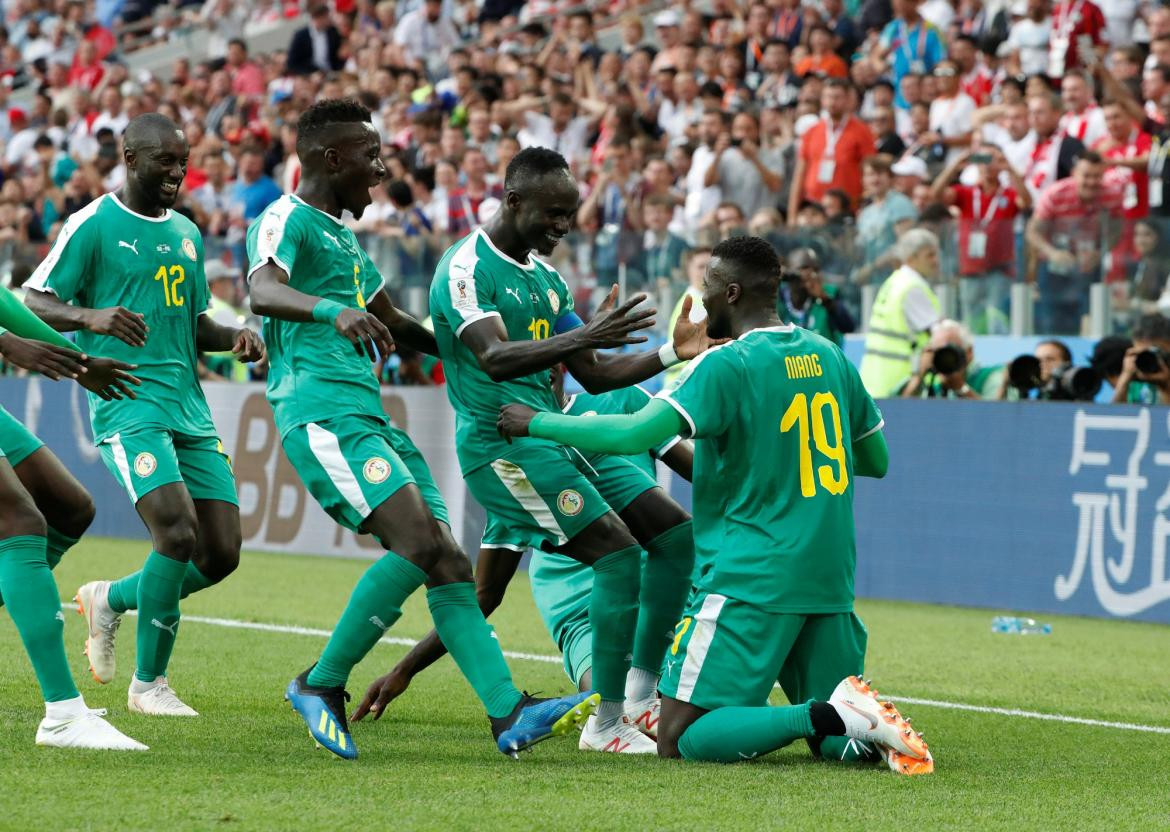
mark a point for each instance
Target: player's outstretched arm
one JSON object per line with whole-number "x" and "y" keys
{"x": 681, "y": 459}
{"x": 624, "y": 434}
{"x": 272, "y": 297}
{"x": 403, "y": 326}
{"x": 115, "y": 321}
{"x": 504, "y": 360}
{"x": 871, "y": 456}
{"x": 213, "y": 337}
{"x": 493, "y": 571}
{"x": 599, "y": 372}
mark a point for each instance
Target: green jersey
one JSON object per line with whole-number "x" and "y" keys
{"x": 628, "y": 400}
{"x": 775, "y": 414}
{"x": 474, "y": 281}
{"x": 107, "y": 255}
{"x": 315, "y": 374}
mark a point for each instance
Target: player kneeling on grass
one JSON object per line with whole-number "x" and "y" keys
{"x": 45, "y": 511}
{"x": 781, "y": 424}
{"x": 562, "y": 586}
{"x": 127, "y": 271}
{"x": 326, "y": 312}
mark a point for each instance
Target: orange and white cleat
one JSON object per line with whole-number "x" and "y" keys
{"x": 907, "y": 765}
{"x": 869, "y": 719}
{"x": 644, "y": 716}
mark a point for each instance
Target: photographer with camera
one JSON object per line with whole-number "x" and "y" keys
{"x": 806, "y": 301}
{"x": 947, "y": 368}
{"x": 1145, "y": 372}
{"x": 1048, "y": 374}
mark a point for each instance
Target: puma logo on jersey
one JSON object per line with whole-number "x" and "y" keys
{"x": 132, "y": 246}
{"x": 172, "y": 628}
{"x": 336, "y": 241}
{"x": 513, "y": 293}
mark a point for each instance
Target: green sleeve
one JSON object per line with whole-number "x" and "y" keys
{"x": 634, "y": 398}
{"x": 19, "y": 320}
{"x": 374, "y": 282}
{"x": 466, "y": 293}
{"x": 707, "y": 393}
{"x": 72, "y": 258}
{"x": 624, "y": 435}
{"x": 871, "y": 456}
{"x": 566, "y": 296}
{"x": 202, "y": 292}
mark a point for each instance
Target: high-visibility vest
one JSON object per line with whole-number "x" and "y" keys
{"x": 890, "y": 343}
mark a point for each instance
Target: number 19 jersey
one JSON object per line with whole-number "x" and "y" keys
{"x": 474, "y": 281}
{"x": 775, "y": 414}
{"x": 107, "y": 255}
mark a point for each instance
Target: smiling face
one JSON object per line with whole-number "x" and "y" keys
{"x": 354, "y": 161}
{"x": 545, "y": 211}
{"x": 158, "y": 168}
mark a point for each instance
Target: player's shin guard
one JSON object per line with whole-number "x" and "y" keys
{"x": 35, "y": 608}
{"x": 613, "y": 612}
{"x": 472, "y": 644}
{"x": 728, "y": 735}
{"x": 123, "y": 594}
{"x": 666, "y": 580}
{"x": 158, "y": 614}
{"x": 57, "y": 544}
{"x": 374, "y": 606}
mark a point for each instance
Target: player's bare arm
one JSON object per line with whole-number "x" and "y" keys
{"x": 115, "y": 321}
{"x": 681, "y": 459}
{"x": 243, "y": 342}
{"x": 272, "y": 297}
{"x": 405, "y": 329}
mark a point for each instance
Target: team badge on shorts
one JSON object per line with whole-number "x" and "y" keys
{"x": 144, "y": 464}
{"x": 554, "y": 300}
{"x": 189, "y": 248}
{"x": 376, "y": 470}
{"x": 570, "y": 502}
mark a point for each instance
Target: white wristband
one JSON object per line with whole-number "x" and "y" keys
{"x": 667, "y": 355}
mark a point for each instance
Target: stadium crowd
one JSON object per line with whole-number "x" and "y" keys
{"x": 1028, "y": 139}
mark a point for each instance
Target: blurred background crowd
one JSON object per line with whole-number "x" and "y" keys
{"x": 997, "y": 165}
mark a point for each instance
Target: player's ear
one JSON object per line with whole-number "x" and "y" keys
{"x": 734, "y": 292}
{"x": 332, "y": 159}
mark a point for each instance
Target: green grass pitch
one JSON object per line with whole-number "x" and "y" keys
{"x": 247, "y": 763}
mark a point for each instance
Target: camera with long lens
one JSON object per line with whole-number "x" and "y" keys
{"x": 1067, "y": 382}
{"x": 1150, "y": 361}
{"x": 948, "y": 359}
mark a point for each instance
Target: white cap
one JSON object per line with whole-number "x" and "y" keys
{"x": 669, "y": 17}
{"x": 910, "y": 166}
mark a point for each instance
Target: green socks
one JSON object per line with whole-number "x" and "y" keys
{"x": 847, "y": 750}
{"x": 728, "y": 735}
{"x": 124, "y": 591}
{"x": 57, "y": 545}
{"x": 666, "y": 581}
{"x": 35, "y": 607}
{"x": 613, "y": 614}
{"x": 158, "y": 614}
{"x": 374, "y": 606}
{"x": 473, "y": 645}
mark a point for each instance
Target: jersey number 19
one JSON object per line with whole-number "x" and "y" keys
{"x": 799, "y": 415}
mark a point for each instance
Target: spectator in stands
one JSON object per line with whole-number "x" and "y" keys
{"x": 1028, "y": 41}
{"x": 426, "y": 36}
{"x": 1151, "y": 344}
{"x": 886, "y": 138}
{"x": 1075, "y": 222}
{"x": 886, "y": 216}
{"x": 465, "y": 202}
{"x": 806, "y": 301}
{"x": 904, "y": 310}
{"x": 1082, "y": 119}
{"x": 1074, "y": 21}
{"x": 662, "y": 251}
{"x": 951, "y": 111}
{"x": 1055, "y": 152}
{"x": 743, "y": 173}
{"x": 1148, "y": 277}
{"x": 909, "y": 44}
{"x": 1108, "y": 357}
{"x": 969, "y": 380}
{"x": 987, "y": 214}
{"x": 821, "y": 59}
{"x": 696, "y": 262}
{"x": 1053, "y": 355}
{"x": 702, "y": 198}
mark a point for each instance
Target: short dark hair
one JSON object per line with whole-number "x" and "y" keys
{"x": 1109, "y": 354}
{"x": 321, "y": 116}
{"x": 1090, "y": 156}
{"x": 1152, "y": 327}
{"x": 757, "y": 266}
{"x": 532, "y": 164}
{"x": 240, "y": 42}
{"x": 399, "y": 193}
{"x": 1065, "y": 352}
{"x": 838, "y": 83}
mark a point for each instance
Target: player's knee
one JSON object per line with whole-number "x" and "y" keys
{"x": 21, "y": 518}
{"x": 176, "y": 535}
{"x": 220, "y": 558}
{"x": 425, "y": 547}
{"x": 76, "y": 514}
{"x": 451, "y": 566}
{"x": 668, "y": 746}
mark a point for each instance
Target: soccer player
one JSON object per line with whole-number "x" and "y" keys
{"x": 503, "y": 317}
{"x": 561, "y": 586}
{"x": 781, "y": 424}
{"x": 127, "y": 271}
{"x": 326, "y": 315}
{"x": 45, "y": 511}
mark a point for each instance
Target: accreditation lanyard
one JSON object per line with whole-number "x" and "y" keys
{"x": 1066, "y": 22}
{"x": 977, "y": 237}
{"x": 917, "y": 64}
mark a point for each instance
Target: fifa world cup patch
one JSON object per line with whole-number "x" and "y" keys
{"x": 145, "y": 464}
{"x": 376, "y": 470}
{"x": 570, "y": 502}
{"x": 554, "y": 300}
{"x": 189, "y": 248}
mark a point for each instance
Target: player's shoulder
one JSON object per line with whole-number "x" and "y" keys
{"x": 182, "y": 224}
{"x": 104, "y": 210}
{"x": 544, "y": 267}
{"x": 719, "y": 359}
{"x": 469, "y": 257}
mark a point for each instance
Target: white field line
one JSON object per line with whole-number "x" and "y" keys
{"x": 287, "y": 629}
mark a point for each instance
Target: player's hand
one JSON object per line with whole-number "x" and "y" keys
{"x": 110, "y": 379}
{"x": 612, "y": 327}
{"x": 247, "y": 346}
{"x": 119, "y": 322}
{"x": 381, "y": 692}
{"x": 514, "y": 420}
{"x": 49, "y": 360}
{"x": 366, "y": 332}
{"x": 690, "y": 338}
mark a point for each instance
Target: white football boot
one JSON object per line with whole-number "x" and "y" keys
{"x": 644, "y": 715}
{"x": 868, "y": 719}
{"x": 619, "y": 737}
{"x": 76, "y": 726}
{"x": 156, "y": 698}
{"x": 93, "y": 602}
